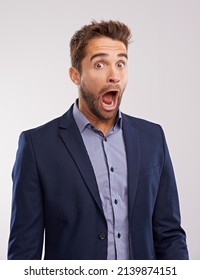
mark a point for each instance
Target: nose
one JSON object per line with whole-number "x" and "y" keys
{"x": 113, "y": 76}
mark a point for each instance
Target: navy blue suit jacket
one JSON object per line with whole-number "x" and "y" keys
{"x": 55, "y": 189}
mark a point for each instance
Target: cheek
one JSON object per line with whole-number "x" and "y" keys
{"x": 124, "y": 79}
{"x": 124, "y": 74}
{"x": 84, "y": 81}
{"x": 92, "y": 81}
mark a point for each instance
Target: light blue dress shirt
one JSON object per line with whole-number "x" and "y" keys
{"x": 108, "y": 157}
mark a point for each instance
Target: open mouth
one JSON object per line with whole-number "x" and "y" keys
{"x": 109, "y": 100}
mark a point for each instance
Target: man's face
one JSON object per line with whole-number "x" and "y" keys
{"x": 103, "y": 78}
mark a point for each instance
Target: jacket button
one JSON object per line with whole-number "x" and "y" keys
{"x": 102, "y": 236}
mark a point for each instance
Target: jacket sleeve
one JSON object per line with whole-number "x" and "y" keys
{"x": 169, "y": 237}
{"x": 27, "y": 217}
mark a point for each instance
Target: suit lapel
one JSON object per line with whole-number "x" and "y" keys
{"x": 131, "y": 139}
{"x": 72, "y": 140}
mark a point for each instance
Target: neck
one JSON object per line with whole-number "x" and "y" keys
{"x": 102, "y": 124}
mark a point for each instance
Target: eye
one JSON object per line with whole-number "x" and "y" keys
{"x": 121, "y": 64}
{"x": 99, "y": 65}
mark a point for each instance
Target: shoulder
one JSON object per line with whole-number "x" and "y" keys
{"x": 51, "y": 127}
{"x": 147, "y": 132}
{"x": 45, "y": 128}
{"x": 141, "y": 124}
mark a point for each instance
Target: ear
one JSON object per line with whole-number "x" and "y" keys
{"x": 74, "y": 75}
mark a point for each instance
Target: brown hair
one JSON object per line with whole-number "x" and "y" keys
{"x": 113, "y": 29}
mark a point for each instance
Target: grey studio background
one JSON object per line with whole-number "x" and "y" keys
{"x": 164, "y": 81}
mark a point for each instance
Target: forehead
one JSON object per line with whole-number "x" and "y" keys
{"x": 105, "y": 45}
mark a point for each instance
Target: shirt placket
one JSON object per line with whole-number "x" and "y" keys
{"x": 113, "y": 198}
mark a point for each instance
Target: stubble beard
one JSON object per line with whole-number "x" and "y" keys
{"x": 93, "y": 103}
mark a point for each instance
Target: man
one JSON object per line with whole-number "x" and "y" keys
{"x": 98, "y": 182}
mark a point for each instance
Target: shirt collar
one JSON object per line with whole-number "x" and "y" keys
{"x": 82, "y": 121}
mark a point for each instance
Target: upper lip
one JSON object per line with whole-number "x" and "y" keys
{"x": 113, "y": 89}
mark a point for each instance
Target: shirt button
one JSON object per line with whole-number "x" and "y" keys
{"x": 105, "y": 139}
{"x": 115, "y": 201}
{"x": 112, "y": 169}
{"x": 102, "y": 236}
{"x": 118, "y": 235}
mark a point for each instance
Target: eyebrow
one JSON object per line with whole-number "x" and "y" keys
{"x": 105, "y": 54}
